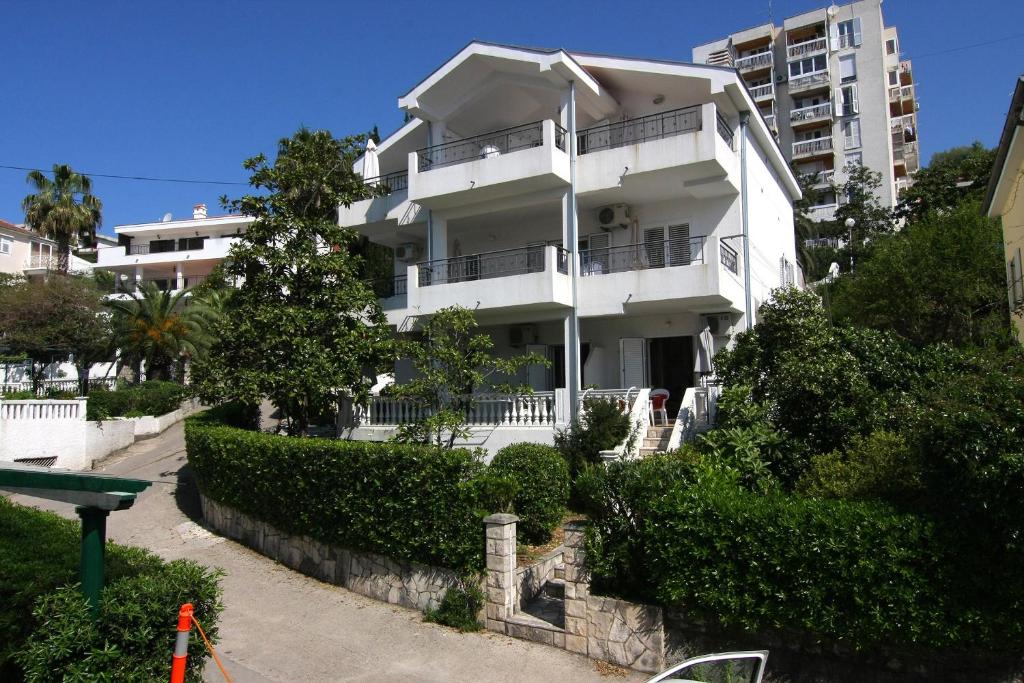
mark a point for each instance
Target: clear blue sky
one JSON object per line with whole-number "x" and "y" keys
{"x": 189, "y": 89}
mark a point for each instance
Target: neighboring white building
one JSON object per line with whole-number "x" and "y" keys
{"x": 480, "y": 213}
{"x": 175, "y": 254}
{"x": 24, "y": 252}
{"x": 831, "y": 85}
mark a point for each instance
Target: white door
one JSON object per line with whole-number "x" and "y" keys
{"x": 633, "y": 362}
{"x": 537, "y": 374}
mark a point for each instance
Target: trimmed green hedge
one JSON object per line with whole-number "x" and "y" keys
{"x": 407, "y": 502}
{"x": 541, "y": 478}
{"x": 149, "y": 398}
{"x": 677, "y": 531}
{"x": 46, "y": 632}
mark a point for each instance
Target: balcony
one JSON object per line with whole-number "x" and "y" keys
{"x": 823, "y": 178}
{"x": 809, "y": 83}
{"x": 490, "y": 166}
{"x": 642, "y": 256}
{"x": 825, "y": 212}
{"x": 906, "y": 155}
{"x": 41, "y": 262}
{"x": 762, "y": 60}
{"x": 390, "y": 183}
{"x": 770, "y": 121}
{"x": 391, "y": 291}
{"x": 760, "y": 93}
{"x": 635, "y": 131}
{"x": 813, "y": 114}
{"x": 166, "y": 251}
{"x": 811, "y": 148}
{"x": 806, "y": 48}
{"x": 168, "y": 283}
{"x": 531, "y": 278}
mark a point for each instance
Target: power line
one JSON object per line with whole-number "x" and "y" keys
{"x": 967, "y": 47}
{"x": 131, "y": 177}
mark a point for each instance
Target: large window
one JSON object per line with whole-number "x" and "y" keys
{"x": 847, "y": 33}
{"x": 847, "y": 100}
{"x": 810, "y": 65}
{"x": 890, "y": 46}
{"x": 853, "y": 159}
{"x": 851, "y": 133}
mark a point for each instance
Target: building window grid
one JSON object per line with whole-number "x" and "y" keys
{"x": 5, "y": 246}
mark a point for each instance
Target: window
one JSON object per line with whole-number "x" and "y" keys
{"x": 5, "y": 245}
{"x": 894, "y": 78}
{"x": 810, "y": 65}
{"x": 848, "y": 68}
{"x": 851, "y": 131}
{"x": 190, "y": 243}
{"x": 890, "y": 46}
{"x": 846, "y": 101}
{"x": 160, "y": 246}
{"x": 854, "y": 159}
{"x": 846, "y": 34}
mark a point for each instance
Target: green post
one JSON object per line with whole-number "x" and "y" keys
{"x": 94, "y": 538}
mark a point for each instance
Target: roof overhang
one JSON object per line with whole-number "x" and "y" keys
{"x": 1009, "y": 155}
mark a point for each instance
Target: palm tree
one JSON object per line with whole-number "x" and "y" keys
{"x": 161, "y": 329}
{"x": 63, "y": 209}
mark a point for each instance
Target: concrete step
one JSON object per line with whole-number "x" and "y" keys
{"x": 644, "y": 452}
{"x": 554, "y": 588}
{"x": 660, "y": 442}
{"x": 654, "y": 432}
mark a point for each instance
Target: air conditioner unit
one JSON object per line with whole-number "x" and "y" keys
{"x": 780, "y": 78}
{"x": 521, "y": 335}
{"x": 614, "y": 216}
{"x": 407, "y": 252}
{"x": 719, "y": 324}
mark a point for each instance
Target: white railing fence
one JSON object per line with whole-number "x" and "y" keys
{"x": 525, "y": 410}
{"x": 43, "y": 410}
{"x": 56, "y": 385}
{"x": 697, "y": 413}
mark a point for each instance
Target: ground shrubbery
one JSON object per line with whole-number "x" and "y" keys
{"x": 601, "y": 427}
{"x": 541, "y": 479}
{"x": 46, "y": 632}
{"x": 149, "y": 398}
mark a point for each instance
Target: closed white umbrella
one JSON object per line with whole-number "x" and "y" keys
{"x": 371, "y": 166}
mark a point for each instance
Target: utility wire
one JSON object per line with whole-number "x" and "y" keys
{"x": 130, "y": 177}
{"x": 967, "y": 47}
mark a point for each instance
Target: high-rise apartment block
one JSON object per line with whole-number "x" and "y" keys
{"x": 832, "y": 87}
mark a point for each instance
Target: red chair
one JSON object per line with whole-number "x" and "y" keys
{"x": 659, "y": 397}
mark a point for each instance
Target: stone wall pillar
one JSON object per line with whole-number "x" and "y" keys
{"x": 501, "y": 570}
{"x": 577, "y": 588}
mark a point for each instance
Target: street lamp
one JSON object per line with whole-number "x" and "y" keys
{"x": 849, "y": 225}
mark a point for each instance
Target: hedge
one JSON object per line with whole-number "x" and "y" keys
{"x": 541, "y": 478}
{"x": 684, "y": 533}
{"x": 407, "y": 502}
{"x": 46, "y": 631}
{"x": 149, "y": 398}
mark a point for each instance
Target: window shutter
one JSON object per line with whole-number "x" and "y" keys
{"x": 854, "y": 103}
{"x": 833, "y": 35}
{"x": 654, "y": 247}
{"x": 679, "y": 245}
{"x": 837, "y": 104}
{"x": 856, "y": 32}
{"x": 599, "y": 257}
{"x": 633, "y": 361}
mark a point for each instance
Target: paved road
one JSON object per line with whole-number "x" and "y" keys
{"x": 279, "y": 625}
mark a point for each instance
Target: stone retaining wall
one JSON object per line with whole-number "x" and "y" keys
{"x": 530, "y": 580}
{"x": 400, "y": 583}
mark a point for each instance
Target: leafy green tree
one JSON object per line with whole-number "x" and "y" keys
{"x": 303, "y": 328}
{"x": 957, "y": 175}
{"x": 814, "y": 260}
{"x": 161, "y": 329}
{"x": 63, "y": 209}
{"x": 859, "y": 201}
{"x": 940, "y": 279}
{"x": 55, "y": 320}
{"x": 453, "y": 363}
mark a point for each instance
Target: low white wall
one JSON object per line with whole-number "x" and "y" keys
{"x": 491, "y": 439}
{"x": 150, "y": 425}
{"x": 104, "y": 438}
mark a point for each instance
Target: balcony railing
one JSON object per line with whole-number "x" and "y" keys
{"x": 495, "y": 264}
{"x": 188, "y": 244}
{"x": 392, "y": 182}
{"x": 723, "y": 128}
{"x": 762, "y": 60}
{"x": 38, "y": 262}
{"x": 806, "y": 48}
{"x": 47, "y": 385}
{"x": 164, "y": 284}
{"x": 903, "y": 92}
{"x": 763, "y": 92}
{"x": 730, "y": 259}
{"x": 642, "y": 256}
{"x": 825, "y": 212}
{"x": 815, "y": 146}
{"x": 812, "y": 113}
{"x": 527, "y": 410}
{"x": 635, "y": 131}
{"x": 769, "y": 120}
{"x": 809, "y": 82}
{"x": 389, "y": 287}
{"x": 487, "y": 145}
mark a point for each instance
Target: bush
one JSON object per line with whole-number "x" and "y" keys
{"x": 879, "y": 466}
{"x": 602, "y": 427}
{"x": 684, "y": 534}
{"x": 149, "y": 398}
{"x": 45, "y": 628}
{"x": 459, "y": 607}
{"x": 541, "y": 476}
{"x": 405, "y": 501}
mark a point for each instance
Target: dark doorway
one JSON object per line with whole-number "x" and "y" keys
{"x": 671, "y": 360}
{"x": 556, "y": 372}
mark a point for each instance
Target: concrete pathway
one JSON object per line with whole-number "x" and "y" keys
{"x": 279, "y": 625}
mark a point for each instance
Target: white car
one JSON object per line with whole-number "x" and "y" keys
{"x": 723, "y": 667}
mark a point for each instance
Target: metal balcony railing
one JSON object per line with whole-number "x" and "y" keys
{"x": 806, "y": 48}
{"x": 814, "y": 146}
{"x": 391, "y": 182}
{"x": 494, "y": 264}
{"x": 634, "y": 131}
{"x": 730, "y": 259}
{"x": 809, "y": 82}
{"x": 761, "y": 60}
{"x": 825, "y": 212}
{"x": 392, "y": 286}
{"x": 642, "y": 256}
{"x": 487, "y": 145}
{"x": 762, "y": 92}
{"x": 168, "y": 246}
{"x": 812, "y": 113}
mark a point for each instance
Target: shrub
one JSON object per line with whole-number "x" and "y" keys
{"x": 408, "y": 502}
{"x": 541, "y": 476}
{"x": 459, "y": 607}
{"x": 45, "y": 620}
{"x": 149, "y": 398}
{"x": 880, "y": 465}
{"x": 602, "y": 426}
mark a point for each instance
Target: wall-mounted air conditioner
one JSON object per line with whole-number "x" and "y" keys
{"x": 614, "y": 216}
{"x": 521, "y": 335}
{"x": 408, "y": 252}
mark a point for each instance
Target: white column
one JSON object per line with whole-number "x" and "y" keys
{"x": 570, "y": 233}
{"x": 437, "y": 238}
{"x": 179, "y": 276}
{"x": 138, "y": 278}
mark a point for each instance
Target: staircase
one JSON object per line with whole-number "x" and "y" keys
{"x": 656, "y": 439}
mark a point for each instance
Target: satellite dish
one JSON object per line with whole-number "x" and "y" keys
{"x": 167, "y": 218}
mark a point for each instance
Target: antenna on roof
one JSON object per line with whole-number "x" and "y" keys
{"x": 771, "y": 19}
{"x": 167, "y": 218}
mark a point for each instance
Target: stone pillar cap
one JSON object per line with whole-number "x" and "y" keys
{"x": 501, "y": 518}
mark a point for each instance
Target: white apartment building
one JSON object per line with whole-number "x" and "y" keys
{"x": 634, "y": 245}
{"x": 174, "y": 254}
{"x": 831, "y": 85}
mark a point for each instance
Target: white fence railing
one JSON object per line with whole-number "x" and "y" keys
{"x": 527, "y": 410}
{"x": 811, "y": 113}
{"x": 696, "y": 414}
{"x": 760, "y": 92}
{"x": 760, "y": 60}
{"x": 56, "y": 385}
{"x": 812, "y": 146}
{"x": 42, "y": 410}
{"x": 806, "y": 48}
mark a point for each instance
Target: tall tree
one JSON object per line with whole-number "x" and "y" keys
{"x": 303, "y": 329}
{"x": 954, "y": 176}
{"x": 63, "y": 209}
